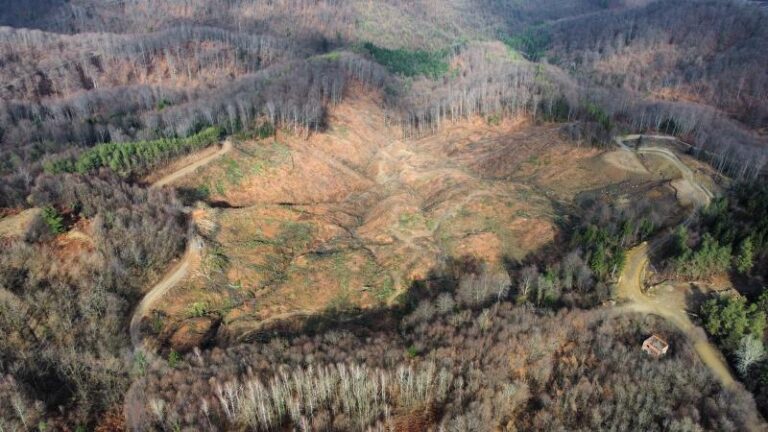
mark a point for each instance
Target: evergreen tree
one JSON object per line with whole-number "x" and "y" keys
{"x": 53, "y": 219}
{"x": 745, "y": 259}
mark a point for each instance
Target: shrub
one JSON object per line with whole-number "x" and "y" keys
{"x": 173, "y": 359}
{"x": 53, "y": 220}
{"x": 197, "y": 309}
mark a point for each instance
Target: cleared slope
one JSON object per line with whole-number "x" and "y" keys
{"x": 351, "y": 217}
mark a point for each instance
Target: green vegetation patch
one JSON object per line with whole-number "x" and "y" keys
{"x": 411, "y": 221}
{"x": 533, "y": 42}
{"x": 730, "y": 319}
{"x": 233, "y": 172}
{"x": 126, "y": 158}
{"x": 260, "y": 130}
{"x": 53, "y": 220}
{"x": 708, "y": 259}
{"x": 731, "y": 235}
{"x": 410, "y": 63}
{"x": 605, "y": 244}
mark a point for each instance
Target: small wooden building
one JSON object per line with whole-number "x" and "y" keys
{"x": 655, "y": 346}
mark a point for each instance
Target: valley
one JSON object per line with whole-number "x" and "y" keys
{"x": 389, "y": 215}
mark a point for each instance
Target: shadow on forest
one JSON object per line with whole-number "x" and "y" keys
{"x": 29, "y": 13}
{"x": 389, "y": 317}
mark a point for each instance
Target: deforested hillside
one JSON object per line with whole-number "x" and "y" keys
{"x": 172, "y": 66}
{"x": 382, "y": 215}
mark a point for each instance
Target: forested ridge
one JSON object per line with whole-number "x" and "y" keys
{"x": 679, "y": 51}
{"x": 96, "y": 94}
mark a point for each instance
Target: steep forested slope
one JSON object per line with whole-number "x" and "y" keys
{"x": 706, "y": 52}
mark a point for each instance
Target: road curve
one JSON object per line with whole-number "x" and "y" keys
{"x": 670, "y": 156}
{"x": 178, "y": 272}
{"x": 685, "y": 171}
{"x": 226, "y": 147}
{"x": 173, "y": 277}
{"x": 629, "y": 288}
{"x": 630, "y": 283}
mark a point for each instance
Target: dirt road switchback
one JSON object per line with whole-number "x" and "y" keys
{"x": 630, "y": 289}
{"x": 180, "y": 270}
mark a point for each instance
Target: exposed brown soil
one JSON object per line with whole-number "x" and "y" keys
{"x": 349, "y": 218}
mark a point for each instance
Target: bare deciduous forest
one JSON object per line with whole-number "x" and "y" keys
{"x": 96, "y": 95}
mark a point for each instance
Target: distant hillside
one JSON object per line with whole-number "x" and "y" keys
{"x": 707, "y": 52}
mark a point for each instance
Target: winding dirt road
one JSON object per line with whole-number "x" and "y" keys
{"x": 629, "y": 288}
{"x": 630, "y": 283}
{"x": 181, "y": 269}
{"x": 173, "y": 277}
{"x": 705, "y": 195}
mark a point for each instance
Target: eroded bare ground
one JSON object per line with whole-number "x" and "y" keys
{"x": 350, "y": 217}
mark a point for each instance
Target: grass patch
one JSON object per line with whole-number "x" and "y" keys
{"x": 215, "y": 260}
{"x": 265, "y": 156}
{"x": 410, "y": 220}
{"x": 341, "y": 271}
{"x": 384, "y": 291}
{"x": 292, "y": 240}
{"x": 341, "y": 130}
{"x": 232, "y": 171}
{"x": 295, "y": 236}
{"x": 219, "y": 186}
{"x": 331, "y": 56}
{"x": 342, "y": 302}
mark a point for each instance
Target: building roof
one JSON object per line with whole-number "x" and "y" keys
{"x": 655, "y": 345}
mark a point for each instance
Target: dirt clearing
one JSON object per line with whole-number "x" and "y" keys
{"x": 347, "y": 219}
